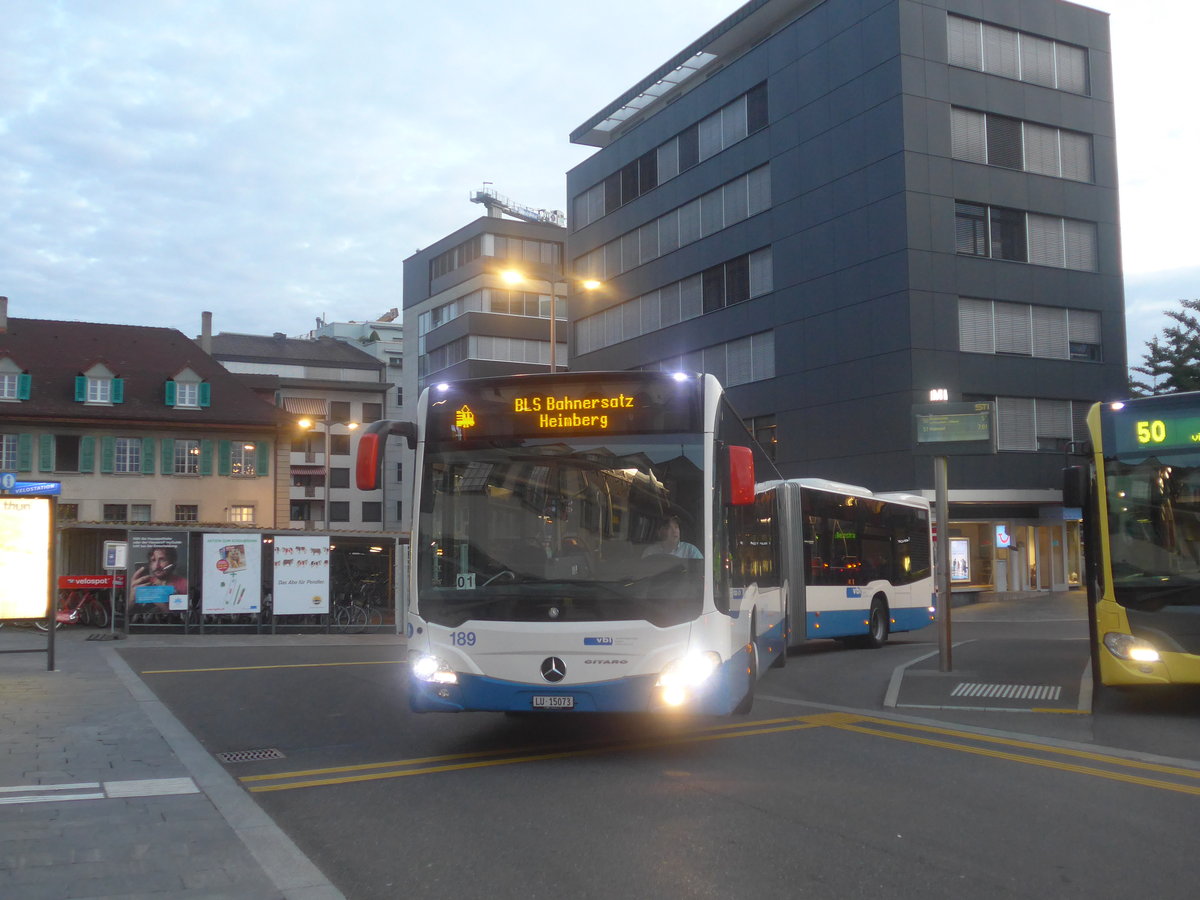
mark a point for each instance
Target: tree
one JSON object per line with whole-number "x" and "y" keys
{"x": 1172, "y": 360}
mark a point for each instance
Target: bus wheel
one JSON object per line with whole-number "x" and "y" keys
{"x": 878, "y": 624}
{"x": 747, "y": 703}
{"x": 781, "y": 660}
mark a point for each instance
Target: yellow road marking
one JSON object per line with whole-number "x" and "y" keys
{"x": 850, "y": 722}
{"x": 377, "y": 662}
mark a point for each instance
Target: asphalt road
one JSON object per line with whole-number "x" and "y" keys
{"x": 820, "y": 792}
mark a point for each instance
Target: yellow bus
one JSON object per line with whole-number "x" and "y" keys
{"x": 1140, "y": 498}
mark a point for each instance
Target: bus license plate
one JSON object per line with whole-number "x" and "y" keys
{"x": 541, "y": 702}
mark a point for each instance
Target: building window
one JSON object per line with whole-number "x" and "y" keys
{"x": 9, "y": 450}
{"x": 1041, "y": 149}
{"x": 127, "y": 456}
{"x": 744, "y": 360}
{"x": 68, "y": 512}
{"x": 9, "y": 386}
{"x": 243, "y": 515}
{"x": 372, "y": 511}
{"x": 339, "y": 511}
{"x": 187, "y": 394}
{"x": 339, "y": 444}
{"x": 1012, "y": 234}
{"x": 1038, "y": 424}
{"x": 764, "y": 431}
{"x": 372, "y": 412}
{"x": 339, "y": 478}
{"x": 1044, "y": 332}
{"x": 139, "y": 512}
{"x": 339, "y": 411}
{"x": 99, "y": 390}
{"x": 399, "y": 510}
{"x": 243, "y": 457}
{"x": 115, "y": 512}
{"x": 187, "y": 458}
{"x": 1016, "y": 54}
{"x": 187, "y": 512}
{"x": 399, "y": 471}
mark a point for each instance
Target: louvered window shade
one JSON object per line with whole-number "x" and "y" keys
{"x": 1045, "y": 240}
{"x": 1037, "y": 60}
{"x": 1080, "y": 245}
{"x": 1079, "y": 412}
{"x": 1050, "y": 332}
{"x": 1076, "y": 156}
{"x": 763, "y": 351}
{"x": 1053, "y": 418}
{"x": 968, "y": 135}
{"x": 1014, "y": 424}
{"x": 963, "y": 42}
{"x": 975, "y": 333}
{"x": 1084, "y": 326}
{"x": 1071, "y": 63}
{"x": 1004, "y": 142}
{"x": 1041, "y": 150}
{"x": 1000, "y": 55}
{"x": 1012, "y": 328}
{"x": 738, "y": 363}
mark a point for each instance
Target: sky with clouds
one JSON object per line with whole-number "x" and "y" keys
{"x": 273, "y": 162}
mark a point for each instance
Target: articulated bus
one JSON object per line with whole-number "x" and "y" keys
{"x": 1140, "y": 498}
{"x": 618, "y": 542}
{"x": 861, "y": 564}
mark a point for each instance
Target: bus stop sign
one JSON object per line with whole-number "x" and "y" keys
{"x": 954, "y": 429}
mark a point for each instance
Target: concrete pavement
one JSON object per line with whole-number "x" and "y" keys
{"x": 104, "y": 794}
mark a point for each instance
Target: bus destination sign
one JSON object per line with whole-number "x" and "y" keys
{"x": 1141, "y": 428}
{"x": 578, "y": 405}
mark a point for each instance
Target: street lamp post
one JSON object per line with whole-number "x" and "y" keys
{"x": 326, "y": 426}
{"x": 514, "y": 277}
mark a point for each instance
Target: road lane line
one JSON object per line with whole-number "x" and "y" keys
{"x": 376, "y": 662}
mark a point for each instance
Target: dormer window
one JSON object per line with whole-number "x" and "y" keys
{"x": 99, "y": 386}
{"x": 14, "y": 383}
{"x": 188, "y": 390}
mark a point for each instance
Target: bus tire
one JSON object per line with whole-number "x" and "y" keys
{"x": 877, "y": 623}
{"x": 747, "y": 702}
{"x": 781, "y": 660}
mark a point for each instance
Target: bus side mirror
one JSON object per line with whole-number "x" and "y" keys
{"x": 740, "y": 466}
{"x": 368, "y": 465}
{"x": 1075, "y": 486}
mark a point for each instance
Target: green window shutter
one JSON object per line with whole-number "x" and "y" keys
{"x": 205, "y": 394}
{"x": 206, "y": 455}
{"x": 80, "y": 388}
{"x": 118, "y": 390}
{"x": 108, "y": 454}
{"x": 46, "y": 453}
{"x": 170, "y": 393}
{"x": 168, "y": 456}
{"x": 262, "y": 465}
{"x": 87, "y": 453}
{"x": 147, "y": 456}
{"x": 25, "y": 453}
{"x": 223, "y": 461}
{"x": 24, "y": 386}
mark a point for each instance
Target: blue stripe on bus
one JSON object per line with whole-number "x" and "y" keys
{"x": 847, "y": 622}
{"x": 633, "y": 694}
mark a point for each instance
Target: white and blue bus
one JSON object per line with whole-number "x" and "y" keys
{"x": 859, "y": 564}
{"x": 588, "y": 542}
{"x": 618, "y": 542}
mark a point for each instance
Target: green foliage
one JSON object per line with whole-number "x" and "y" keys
{"x": 1172, "y": 360}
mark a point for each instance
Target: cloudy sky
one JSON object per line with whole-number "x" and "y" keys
{"x": 274, "y": 161}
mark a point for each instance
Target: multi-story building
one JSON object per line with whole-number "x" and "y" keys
{"x": 383, "y": 338}
{"x": 140, "y": 427}
{"x": 481, "y": 301}
{"x": 837, "y": 206}
{"x": 334, "y": 387}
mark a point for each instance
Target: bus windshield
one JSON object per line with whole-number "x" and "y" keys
{"x": 1154, "y": 528}
{"x": 568, "y": 529}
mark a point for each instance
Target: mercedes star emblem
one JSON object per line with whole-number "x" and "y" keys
{"x": 554, "y": 669}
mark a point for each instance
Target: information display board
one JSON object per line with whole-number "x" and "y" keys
{"x": 954, "y": 429}
{"x": 26, "y": 548}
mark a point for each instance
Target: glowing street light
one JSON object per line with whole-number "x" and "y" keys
{"x": 515, "y": 277}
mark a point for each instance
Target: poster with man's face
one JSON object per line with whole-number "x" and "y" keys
{"x": 158, "y": 565}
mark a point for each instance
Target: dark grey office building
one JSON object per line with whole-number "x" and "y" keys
{"x": 837, "y": 206}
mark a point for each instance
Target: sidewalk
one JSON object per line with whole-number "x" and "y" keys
{"x": 104, "y": 794}
{"x": 1016, "y": 652}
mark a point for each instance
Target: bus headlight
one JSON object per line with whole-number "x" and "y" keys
{"x": 430, "y": 668}
{"x": 682, "y": 676}
{"x": 1126, "y": 646}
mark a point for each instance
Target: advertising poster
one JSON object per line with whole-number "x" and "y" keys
{"x": 24, "y": 557}
{"x": 232, "y": 581}
{"x": 301, "y": 584}
{"x": 960, "y": 559}
{"x": 158, "y": 565}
